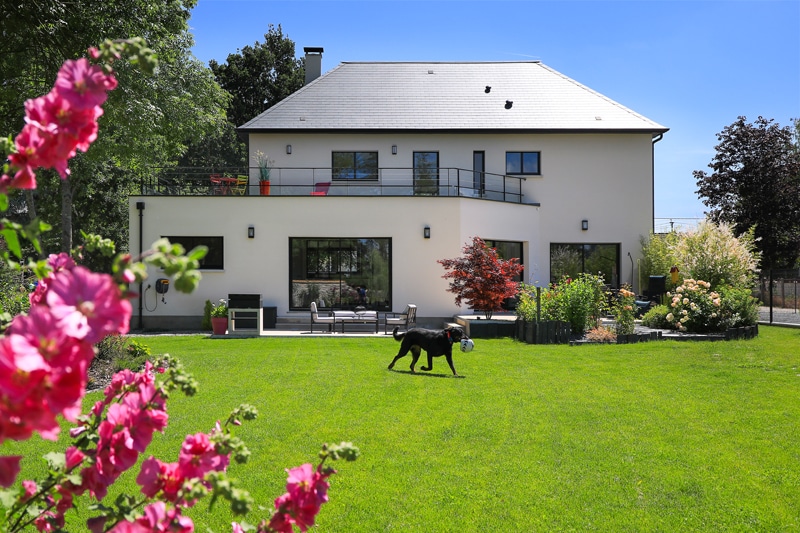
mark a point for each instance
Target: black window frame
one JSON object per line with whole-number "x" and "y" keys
{"x": 522, "y": 168}
{"x": 332, "y": 271}
{"x": 214, "y": 259}
{"x": 587, "y": 249}
{"x": 338, "y": 169}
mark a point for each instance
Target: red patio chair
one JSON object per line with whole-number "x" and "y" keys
{"x": 321, "y": 188}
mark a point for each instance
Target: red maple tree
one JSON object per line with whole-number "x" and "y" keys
{"x": 480, "y": 278}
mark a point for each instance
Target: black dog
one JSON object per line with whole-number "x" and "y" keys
{"x": 436, "y": 342}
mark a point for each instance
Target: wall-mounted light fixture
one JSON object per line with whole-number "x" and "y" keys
{"x": 426, "y": 232}
{"x": 394, "y": 149}
{"x": 251, "y": 232}
{"x": 584, "y": 225}
{"x": 288, "y": 148}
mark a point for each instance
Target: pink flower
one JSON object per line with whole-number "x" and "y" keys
{"x": 74, "y": 457}
{"x": 199, "y": 456}
{"x": 30, "y": 487}
{"x": 9, "y": 469}
{"x": 87, "y": 305}
{"x": 84, "y": 85}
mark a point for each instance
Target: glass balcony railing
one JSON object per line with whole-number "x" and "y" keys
{"x": 442, "y": 182}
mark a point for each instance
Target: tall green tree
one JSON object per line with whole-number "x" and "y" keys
{"x": 755, "y": 182}
{"x": 260, "y": 76}
{"x": 148, "y": 120}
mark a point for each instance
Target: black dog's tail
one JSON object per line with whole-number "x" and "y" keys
{"x": 398, "y": 336}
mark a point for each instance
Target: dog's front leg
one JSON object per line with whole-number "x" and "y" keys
{"x": 430, "y": 364}
{"x": 449, "y": 358}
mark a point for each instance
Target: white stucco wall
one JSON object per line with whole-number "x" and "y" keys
{"x": 603, "y": 178}
{"x": 261, "y": 265}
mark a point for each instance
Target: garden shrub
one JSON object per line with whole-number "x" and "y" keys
{"x": 123, "y": 351}
{"x": 714, "y": 254}
{"x": 526, "y": 304}
{"x": 656, "y": 318}
{"x": 738, "y": 307}
{"x": 624, "y": 310}
{"x": 205, "y": 325}
{"x": 601, "y": 334}
{"x": 580, "y": 301}
{"x": 658, "y": 257}
{"x": 694, "y": 308}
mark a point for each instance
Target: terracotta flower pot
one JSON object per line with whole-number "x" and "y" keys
{"x": 219, "y": 325}
{"x": 263, "y": 188}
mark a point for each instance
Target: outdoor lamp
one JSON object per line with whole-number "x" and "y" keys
{"x": 288, "y": 148}
{"x": 251, "y": 232}
{"x": 426, "y": 232}
{"x": 584, "y": 225}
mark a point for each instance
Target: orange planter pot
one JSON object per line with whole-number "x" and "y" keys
{"x": 264, "y": 188}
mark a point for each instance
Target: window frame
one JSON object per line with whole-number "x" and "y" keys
{"x": 522, "y": 170}
{"x": 354, "y": 168}
{"x": 586, "y": 250}
{"x": 214, "y": 259}
{"x": 329, "y": 269}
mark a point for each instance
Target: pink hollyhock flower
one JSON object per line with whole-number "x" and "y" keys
{"x": 26, "y": 159}
{"x": 198, "y": 456}
{"x": 60, "y": 261}
{"x": 88, "y": 305}
{"x": 30, "y": 487}
{"x": 83, "y": 84}
{"x": 48, "y": 521}
{"x": 74, "y": 457}
{"x": 156, "y": 476}
{"x": 157, "y": 517}
{"x": 9, "y": 469}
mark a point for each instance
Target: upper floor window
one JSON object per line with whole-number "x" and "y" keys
{"x": 355, "y": 165}
{"x": 522, "y": 163}
{"x": 214, "y": 259}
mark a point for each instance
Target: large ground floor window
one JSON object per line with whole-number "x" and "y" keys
{"x": 573, "y": 259}
{"x": 340, "y": 273}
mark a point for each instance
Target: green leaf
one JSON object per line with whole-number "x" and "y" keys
{"x": 12, "y": 241}
{"x": 56, "y": 461}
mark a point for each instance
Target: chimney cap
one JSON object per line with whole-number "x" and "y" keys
{"x": 313, "y": 50}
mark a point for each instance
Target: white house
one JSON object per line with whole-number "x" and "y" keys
{"x": 410, "y": 161}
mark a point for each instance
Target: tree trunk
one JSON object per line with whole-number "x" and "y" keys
{"x": 66, "y": 215}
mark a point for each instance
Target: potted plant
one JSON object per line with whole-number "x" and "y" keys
{"x": 219, "y": 318}
{"x": 264, "y": 166}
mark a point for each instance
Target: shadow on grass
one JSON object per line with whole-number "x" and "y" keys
{"x": 425, "y": 374}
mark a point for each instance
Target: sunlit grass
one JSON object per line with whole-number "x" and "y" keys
{"x": 661, "y": 436}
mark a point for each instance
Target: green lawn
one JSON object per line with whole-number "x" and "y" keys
{"x": 663, "y": 436}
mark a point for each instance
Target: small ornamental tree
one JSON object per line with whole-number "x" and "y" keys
{"x": 480, "y": 278}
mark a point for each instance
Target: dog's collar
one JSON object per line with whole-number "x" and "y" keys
{"x": 448, "y": 337}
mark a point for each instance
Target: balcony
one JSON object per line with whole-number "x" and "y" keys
{"x": 442, "y": 182}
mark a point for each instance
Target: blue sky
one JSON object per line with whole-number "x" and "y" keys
{"x": 692, "y": 66}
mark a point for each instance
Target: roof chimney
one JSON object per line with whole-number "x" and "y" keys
{"x": 313, "y": 63}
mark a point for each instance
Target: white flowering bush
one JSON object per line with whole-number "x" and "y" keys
{"x": 713, "y": 253}
{"x": 693, "y": 307}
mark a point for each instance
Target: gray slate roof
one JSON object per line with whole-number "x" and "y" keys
{"x": 418, "y": 96}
